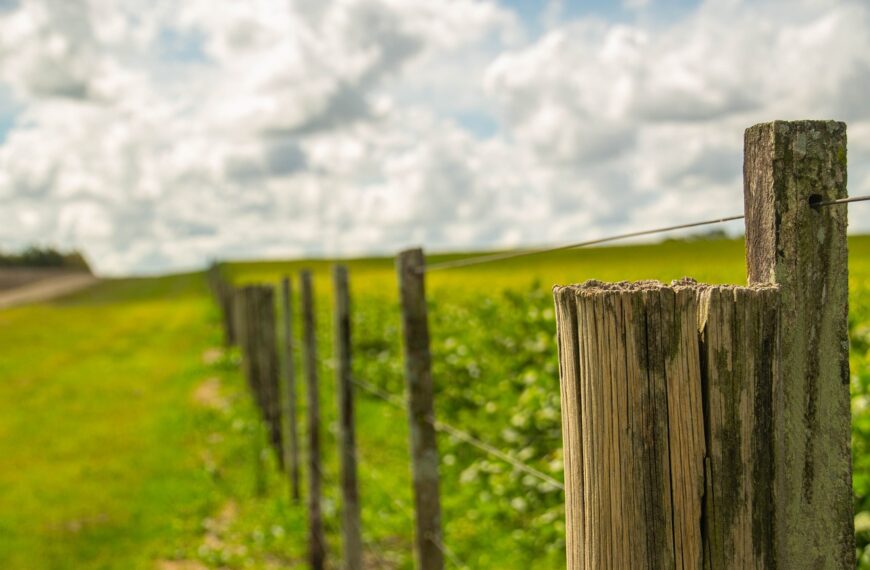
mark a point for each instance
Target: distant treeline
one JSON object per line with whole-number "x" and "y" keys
{"x": 711, "y": 235}
{"x": 44, "y": 257}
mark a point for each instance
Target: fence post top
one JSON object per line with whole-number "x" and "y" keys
{"x": 339, "y": 270}
{"x": 411, "y": 260}
{"x": 784, "y": 127}
{"x": 410, "y": 252}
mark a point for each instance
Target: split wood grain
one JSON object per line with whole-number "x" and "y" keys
{"x": 739, "y": 332}
{"x": 635, "y": 366}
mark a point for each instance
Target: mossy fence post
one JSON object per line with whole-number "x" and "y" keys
{"x": 316, "y": 538}
{"x": 709, "y": 426}
{"x": 410, "y": 265}
{"x": 351, "y": 531}
{"x": 288, "y": 395}
{"x": 802, "y": 249}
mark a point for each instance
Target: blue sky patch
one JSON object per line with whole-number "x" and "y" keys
{"x": 181, "y": 46}
{"x": 480, "y": 123}
{"x": 533, "y": 12}
{"x": 9, "y": 111}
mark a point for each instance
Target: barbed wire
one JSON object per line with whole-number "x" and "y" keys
{"x": 490, "y": 258}
{"x": 463, "y": 436}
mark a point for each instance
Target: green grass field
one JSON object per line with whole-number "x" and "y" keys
{"x": 127, "y": 435}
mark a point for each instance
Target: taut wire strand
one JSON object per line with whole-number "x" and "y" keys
{"x": 842, "y": 201}
{"x": 467, "y": 262}
{"x": 525, "y": 252}
{"x": 465, "y": 437}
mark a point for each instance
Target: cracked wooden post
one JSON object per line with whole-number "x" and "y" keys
{"x": 666, "y": 424}
{"x": 350, "y": 513}
{"x": 772, "y": 364}
{"x": 316, "y": 538}
{"x": 288, "y": 397}
{"x": 418, "y": 380}
{"x": 802, "y": 249}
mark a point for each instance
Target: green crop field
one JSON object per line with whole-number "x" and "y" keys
{"x": 128, "y": 437}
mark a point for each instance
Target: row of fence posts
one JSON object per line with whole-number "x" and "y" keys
{"x": 248, "y": 318}
{"x": 703, "y": 426}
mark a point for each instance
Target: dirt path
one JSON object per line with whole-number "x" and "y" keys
{"x": 46, "y": 289}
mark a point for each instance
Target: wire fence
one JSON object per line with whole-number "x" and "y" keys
{"x": 463, "y": 436}
{"x": 513, "y": 254}
{"x": 478, "y": 443}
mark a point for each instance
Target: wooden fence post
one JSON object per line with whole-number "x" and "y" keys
{"x": 666, "y": 424}
{"x": 774, "y": 377}
{"x": 244, "y": 326}
{"x": 350, "y": 531}
{"x": 410, "y": 265}
{"x": 802, "y": 249}
{"x": 267, "y": 356}
{"x": 316, "y": 542}
{"x": 288, "y": 397}
{"x": 224, "y": 294}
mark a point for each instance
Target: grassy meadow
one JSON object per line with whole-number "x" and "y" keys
{"x": 128, "y": 437}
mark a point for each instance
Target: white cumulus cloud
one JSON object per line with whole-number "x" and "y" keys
{"x": 158, "y": 134}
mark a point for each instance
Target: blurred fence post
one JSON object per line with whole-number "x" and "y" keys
{"x": 224, "y": 294}
{"x": 351, "y": 531}
{"x": 243, "y": 318}
{"x": 317, "y": 541}
{"x": 288, "y": 396}
{"x": 267, "y": 357}
{"x": 787, "y": 167}
{"x": 410, "y": 266}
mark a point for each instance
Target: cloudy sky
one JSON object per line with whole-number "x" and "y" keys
{"x": 156, "y": 134}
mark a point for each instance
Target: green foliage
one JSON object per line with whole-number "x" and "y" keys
{"x": 145, "y": 473}
{"x": 859, "y": 334}
{"x": 35, "y": 256}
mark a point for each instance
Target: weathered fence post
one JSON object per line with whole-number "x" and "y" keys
{"x": 421, "y": 415}
{"x": 802, "y": 249}
{"x": 666, "y": 423}
{"x": 316, "y": 542}
{"x": 351, "y": 531}
{"x": 288, "y": 396}
{"x": 709, "y": 426}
